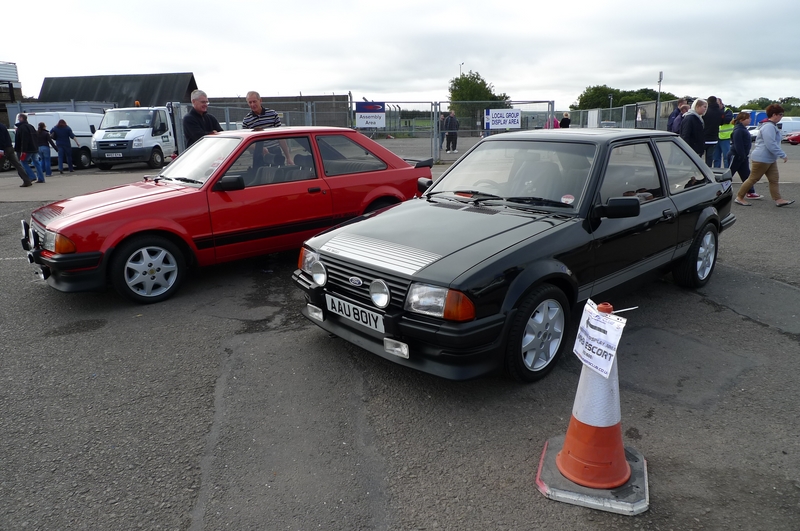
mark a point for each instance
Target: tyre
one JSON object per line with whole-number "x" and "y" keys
{"x": 537, "y": 334}
{"x": 84, "y": 159}
{"x": 5, "y": 164}
{"x": 156, "y": 159}
{"x": 103, "y": 166}
{"x": 147, "y": 269}
{"x": 694, "y": 270}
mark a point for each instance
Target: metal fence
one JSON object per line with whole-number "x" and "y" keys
{"x": 642, "y": 115}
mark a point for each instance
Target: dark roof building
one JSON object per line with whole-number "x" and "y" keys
{"x": 148, "y": 89}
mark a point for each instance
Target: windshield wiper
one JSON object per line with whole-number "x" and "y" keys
{"x": 183, "y": 180}
{"x": 475, "y": 195}
{"x": 539, "y": 201}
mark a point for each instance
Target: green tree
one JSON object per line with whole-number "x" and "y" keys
{"x": 470, "y": 94}
{"x": 597, "y": 97}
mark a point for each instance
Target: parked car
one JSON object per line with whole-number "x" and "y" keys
{"x": 231, "y": 195}
{"x": 494, "y": 258}
{"x": 753, "y": 132}
{"x": 793, "y": 139}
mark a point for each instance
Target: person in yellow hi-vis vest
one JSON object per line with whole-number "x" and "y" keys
{"x": 724, "y": 144}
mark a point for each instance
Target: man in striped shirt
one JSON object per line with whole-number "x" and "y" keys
{"x": 259, "y": 117}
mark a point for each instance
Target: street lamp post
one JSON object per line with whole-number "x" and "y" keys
{"x": 610, "y": 100}
{"x": 459, "y": 69}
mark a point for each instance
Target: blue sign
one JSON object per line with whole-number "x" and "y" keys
{"x": 370, "y": 106}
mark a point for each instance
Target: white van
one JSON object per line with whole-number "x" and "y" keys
{"x": 134, "y": 134}
{"x": 788, "y": 127}
{"x": 83, "y": 125}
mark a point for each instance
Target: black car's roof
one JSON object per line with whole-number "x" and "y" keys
{"x": 598, "y": 136}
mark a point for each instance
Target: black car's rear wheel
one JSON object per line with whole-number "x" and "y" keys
{"x": 537, "y": 334}
{"x": 694, "y": 270}
{"x": 147, "y": 269}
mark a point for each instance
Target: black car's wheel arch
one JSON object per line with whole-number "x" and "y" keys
{"x": 188, "y": 253}
{"x": 536, "y": 275}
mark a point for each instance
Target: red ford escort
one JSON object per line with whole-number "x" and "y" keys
{"x": 231, "y": 195}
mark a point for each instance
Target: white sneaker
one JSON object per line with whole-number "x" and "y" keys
{"x": 448, "y": 151}
{"x": 455, "y": 151}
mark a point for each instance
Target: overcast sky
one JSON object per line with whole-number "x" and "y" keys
{"x": 409, "y": 50}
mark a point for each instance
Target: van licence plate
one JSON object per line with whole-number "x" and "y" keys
{"x": 113, "y": 155}
{"x": 371, "y": 320}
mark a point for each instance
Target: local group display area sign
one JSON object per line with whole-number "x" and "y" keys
{"x": 598, "y": 337}
{"x": 502, "y": 119}
{"x": 370, "y": 114}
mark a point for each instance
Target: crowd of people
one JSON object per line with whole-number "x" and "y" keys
{"x": 29, "y": 153}
{"x": 722, "y": 139}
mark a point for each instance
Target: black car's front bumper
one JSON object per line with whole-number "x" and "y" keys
{"x": 456, "y": 351}
{"x": 65, "y": 272}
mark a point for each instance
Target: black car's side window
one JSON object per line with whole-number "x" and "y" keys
{"x": 340, "y": 155}
{"x": 682, "y": 172}
{"x": 631, "y": 171}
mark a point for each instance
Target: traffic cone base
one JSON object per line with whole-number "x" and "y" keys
{"x": 594, "y": 456}
{"x": 630, "y": 499}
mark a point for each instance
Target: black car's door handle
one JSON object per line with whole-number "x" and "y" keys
{"x": 668, "y": 215}
{"x": 314, "y": 190}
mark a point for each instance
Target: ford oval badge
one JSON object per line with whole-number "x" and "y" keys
{"x": 355, "y": 281}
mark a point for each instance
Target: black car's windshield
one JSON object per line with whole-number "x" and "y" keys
{"x": 530, "y": 173}
{"x": 198, "y": 163}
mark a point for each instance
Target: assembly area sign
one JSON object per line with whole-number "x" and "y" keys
{"x": 502, "y": 119}
{"x": 370, "y": 114}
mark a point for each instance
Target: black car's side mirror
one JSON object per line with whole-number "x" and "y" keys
{"x": 229, "y": 184}
{"x": 93, "y": 129}
{"x": 722, "y": 175}
{"x": 423, "y": 183}
{"x": 619, "y": 207}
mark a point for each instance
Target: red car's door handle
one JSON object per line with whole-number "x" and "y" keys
{"x": 314, "y": 190}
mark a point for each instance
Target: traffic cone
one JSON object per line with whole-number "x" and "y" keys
{"x": 593, "y": 454}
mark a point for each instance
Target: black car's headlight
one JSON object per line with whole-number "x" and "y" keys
{"x": 437, "y": 301}
{"x": 306, "y": 258}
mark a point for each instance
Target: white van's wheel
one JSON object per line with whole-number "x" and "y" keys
{"x": 156, "y": 159}
{"x": 84, "y": 159}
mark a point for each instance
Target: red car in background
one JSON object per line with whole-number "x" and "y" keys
{"x": 793, "y": 139}
{"x": 231, "y": 195}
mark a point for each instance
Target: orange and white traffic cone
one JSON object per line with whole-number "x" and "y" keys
{"x": 593, "y": 462}
{"x": 593, "y": 454}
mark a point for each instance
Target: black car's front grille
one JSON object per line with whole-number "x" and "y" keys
{"x": 340, "y": 272}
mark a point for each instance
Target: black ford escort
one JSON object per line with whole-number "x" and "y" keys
{"x": 483, "y": 271}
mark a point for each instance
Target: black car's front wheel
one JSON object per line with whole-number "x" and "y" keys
{"x": 537, "y": 334}
{"x": 147, "y": 269}
{"x": 694, "y": 270}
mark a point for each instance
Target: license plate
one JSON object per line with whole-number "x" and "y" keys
{"x": 112, "y": 155}
{"x": 356, "y": 314}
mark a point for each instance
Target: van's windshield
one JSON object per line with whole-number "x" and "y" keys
{"x": 127, "y": 119}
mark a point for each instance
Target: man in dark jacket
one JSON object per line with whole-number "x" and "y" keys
{"x": 198, "y": 123}
{"x": 712, "y": 119}
{"x": 451, "y": 126}
{"x": 26, "y": 144}
{"x": 8, "y": 152}
{"x": 674, "y": 114}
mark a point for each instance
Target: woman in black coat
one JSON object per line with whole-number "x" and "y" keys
{"x": 692, "y": 126}
{"x": 740, "y": 151}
